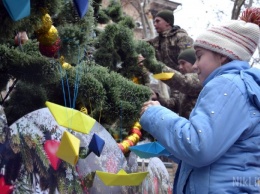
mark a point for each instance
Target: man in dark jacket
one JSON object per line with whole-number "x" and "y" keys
{"x": 169, "y": 43}
{"x": 171, "y": 40}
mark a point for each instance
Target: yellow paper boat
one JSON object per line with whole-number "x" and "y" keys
{"x": 121, "y": 178}
{"x": 163, "y": 76}
{"x": 71, "y": 118}
{"x": 69, "y": 148}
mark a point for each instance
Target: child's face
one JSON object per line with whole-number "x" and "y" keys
{"x": 207, "y": 61}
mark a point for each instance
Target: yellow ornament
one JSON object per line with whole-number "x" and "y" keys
{"x": 163, "y": 76}
{"x": 50, "y": 37}
{"x": 136, "y": 136}
{"x": 137, "y": 124}
{"x": 125, "y": 144}
{"x": 69, "y": 148}
{"x": 84, "y": 110}
{"x": 66, "y": 65}
{"x": 46, "y": 24}
{"x": 133, "y": 139}
{"x": 135, "y": 80}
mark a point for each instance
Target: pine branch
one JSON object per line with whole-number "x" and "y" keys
{"x": 41, "y": 154}
{"x": 26, "y": 156}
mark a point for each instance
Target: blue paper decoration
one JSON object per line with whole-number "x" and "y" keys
{"x": 18, "y": 9}
{"x": 81, "y": 6}
{"x": 96, "y": 145}
{"x": 149, "y": 150}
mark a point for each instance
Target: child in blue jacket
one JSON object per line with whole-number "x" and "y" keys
{"x": 219, "y": 145}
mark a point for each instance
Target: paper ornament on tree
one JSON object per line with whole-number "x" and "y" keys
{"x": 110, "y": 160}
{"x": 51, "y": 147}
{"x": 149, "y": 150}
{"x": 81, "y": 6}
{"x": 163, "y": 76}
{"x": 121, "y": 178}
{"x": 71, "y": 118}
{"x": 96, "y": 145}
{"x": 69, "y": 148}
{"x": 17, "y": 9}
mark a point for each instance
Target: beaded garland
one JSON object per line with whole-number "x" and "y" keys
{"x": 131, "y": 140}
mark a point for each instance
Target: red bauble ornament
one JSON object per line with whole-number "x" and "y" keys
{"x": 50, "y": 50}
{"x": 5, "y": 189}
{"x": 51, "y": 147}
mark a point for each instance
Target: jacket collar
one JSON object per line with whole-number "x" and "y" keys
{"x": 171, "y": 32}
{"x": 233, "y": 67}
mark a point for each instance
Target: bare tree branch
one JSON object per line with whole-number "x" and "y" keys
{"x": 237, "y": 8}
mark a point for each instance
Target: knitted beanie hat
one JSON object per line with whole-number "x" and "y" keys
{"x": 237, "y": 39}
{"x": 188, "y": 55}
{"x": 167, "y": 15}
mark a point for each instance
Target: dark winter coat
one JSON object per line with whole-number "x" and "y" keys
{"x": 169, "y": 44}
{"x": 184, "y": 92}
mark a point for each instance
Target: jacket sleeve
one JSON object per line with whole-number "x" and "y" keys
{"x": 220, "y": 116}
{"x": 185, "y": 83}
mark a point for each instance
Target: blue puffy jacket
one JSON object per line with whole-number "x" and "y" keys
{"x": 219, "y": 145}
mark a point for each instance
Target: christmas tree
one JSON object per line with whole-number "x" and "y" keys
{"x": 53, "y": 51}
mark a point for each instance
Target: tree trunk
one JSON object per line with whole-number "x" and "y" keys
{"x": 237, "y": 8}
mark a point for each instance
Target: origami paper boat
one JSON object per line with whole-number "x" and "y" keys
{"x": 121, "y": 178}
{"x": 149, "y": 150}
{"x": 71, "y": 118}
{"x": 17, "y": 9}
{"x": 163, "y": 76}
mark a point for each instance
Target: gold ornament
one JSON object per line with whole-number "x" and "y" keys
{"x": 46, "y": 24}
{"x": 135, "y": 80}
{"x": 84, "y": 110}
{"x": 137, "y": 124}
{"x": 66, "y": 66}
{"x": 50, "y": 37}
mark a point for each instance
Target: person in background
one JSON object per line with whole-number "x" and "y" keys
{"x": 168, "y": 44}
{"x": 171, "y": 39}
{"x": 185, "y": 82}
{"x": 219, "y": 143}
